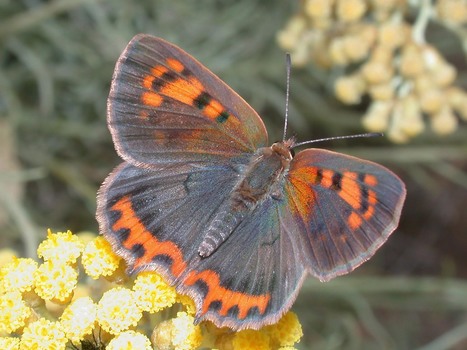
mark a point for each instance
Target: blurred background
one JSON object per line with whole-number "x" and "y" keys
{"x": 393, "y": 66}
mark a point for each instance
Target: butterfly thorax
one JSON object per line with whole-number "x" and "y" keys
{"x": 260, "y": 180}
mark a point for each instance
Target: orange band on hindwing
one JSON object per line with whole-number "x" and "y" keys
{"x": 354, "y": 188}
{"x": 228, "y": 298}
{"x": 139, "y": 237}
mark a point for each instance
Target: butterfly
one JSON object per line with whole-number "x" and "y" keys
{"x": 205, "y": 201}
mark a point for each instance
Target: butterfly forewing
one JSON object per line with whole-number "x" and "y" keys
{"x": 164, "y": 107}
{"x": 343, "y": 207}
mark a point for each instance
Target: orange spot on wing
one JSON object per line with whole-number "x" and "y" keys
{"x": 372, "y": 197}
{"x": 159, "y": 71}
{"x": 151, "y": 99}
{"x": 372, "y": 200}
{"x": 300, "y": 188}
{"x": 213, "y": 109}
{"x": 138, "y": 234}
{"x": 354, "y": 221}
{"x": 350, "y": 189}
{"x": 369, "y": 213}
{"x": 229, "y": 298}
{"x": 147, "y": 81}
{"x": 156, "y": 72}
{"x": 370, "y": 180}
{"x": 326, "y": 181}
{"x": 175, "y": 65}
{"x": 184, "y": 91}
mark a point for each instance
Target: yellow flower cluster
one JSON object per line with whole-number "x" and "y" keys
{"x": 282, "y": 335}
{"x": 374, "y": 50}
{"x": 50, "y": 306}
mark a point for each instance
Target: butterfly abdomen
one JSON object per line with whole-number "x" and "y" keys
{"x": 223, "y": 224}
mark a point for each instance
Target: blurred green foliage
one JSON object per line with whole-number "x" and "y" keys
{"x": 56, "y": 63}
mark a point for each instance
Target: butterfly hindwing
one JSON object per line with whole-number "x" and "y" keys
{"x": 343, "y": 208}
{"x": 157, "y": 220}
{"x": 164, "y": 107}
{"x": 259, "y": 269}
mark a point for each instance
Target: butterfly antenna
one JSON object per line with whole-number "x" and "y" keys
{"x": 288, "y": 65}
{"x": 370, "y": 134}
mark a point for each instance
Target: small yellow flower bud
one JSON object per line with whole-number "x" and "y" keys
{"x": 152, "y": 293}
{"x": 432, "y": 100}
{"x": 397, "y": 135}
{"x": 444, "y": 122}
{"x": 382, "y": 54}
{"x": 376, "y": 119}
{"x": 350, "y": 10}
{"x": 444, "y": 75}
{"x": 431, "y": 57}
{"x": 337, "y": 52}
{"x": 423, "y": 83}
{"x": 98, "y": 258}
{"x": 376, "y": 72}
{"x": 289, "y": 37}
{"x": 286, "y": 332}
{"x": 355, "y": 48}
{"x": 116, "y": 311}
{"x": 43, "y": 334}
{"x": 300, "y": 56}
{"x": 392, "y": 35}
{"x": 349, "y": 89}
{"x": 368, "y": 33}
{"x": 9, "y": 343}
{"x": 13, "y": 312}
{"x": 129, "y": 340}
{"x": 317, "y": 9}
{"x": 55, "y": 282}
{"x": 395, "y": 132}
{"x": 78, "y": 319}
{"x": 177, "y": 333}
{"x": 18, "y": 274}
{"x": 412, "y": 120}
{"x": 61, "y": 247}
{"x": 412, "y": 63}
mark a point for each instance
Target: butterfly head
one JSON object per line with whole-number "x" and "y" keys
{"x": 284, "y": 148}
